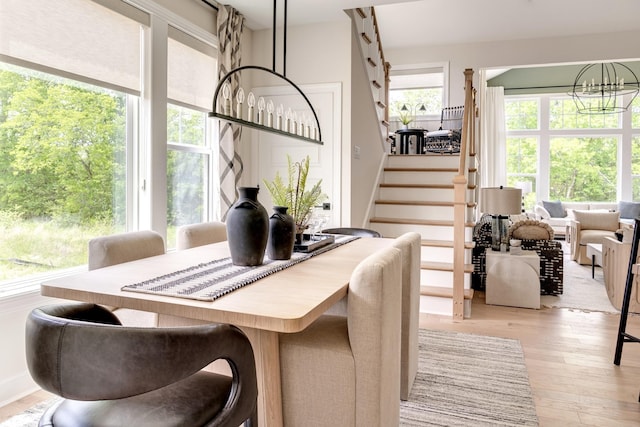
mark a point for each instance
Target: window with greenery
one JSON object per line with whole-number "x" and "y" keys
{"x": 415, "y": 88}
{"x": 583, "y": 169}
{"x": 564, "y": 115}
{"x": 635, "y": 167}
{"x": 74, "y": 152}
{"x": 521, "y": 114}
{"x": 522, "y": 165}
{"x": 62, "y": 169}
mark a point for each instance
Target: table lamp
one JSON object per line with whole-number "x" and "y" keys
{"x": 500, "y": 202}
{"x": 526, "y": 188}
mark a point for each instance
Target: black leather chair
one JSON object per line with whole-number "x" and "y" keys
{"x": 362, "y": 232}
{"x": 114, "y": 375}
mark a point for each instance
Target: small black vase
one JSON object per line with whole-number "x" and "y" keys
{"x": 281, "y": 234}
{"x": 247, "y": 228}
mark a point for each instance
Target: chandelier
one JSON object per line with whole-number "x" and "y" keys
{"x": 600, "y": 88}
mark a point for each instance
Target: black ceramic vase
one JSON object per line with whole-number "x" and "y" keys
{"x": 282, "y": 234}
{"x": 247, "y": 228}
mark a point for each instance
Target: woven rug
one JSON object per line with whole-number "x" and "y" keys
{"x": 469, "y": 380}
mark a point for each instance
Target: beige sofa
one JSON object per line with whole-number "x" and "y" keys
{"x": 560, "y": 223}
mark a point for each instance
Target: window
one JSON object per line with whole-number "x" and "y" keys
{"x": 413, "y": 89}
{"x": 74, "y": 147}
{"x": 583, "y": 169}
{"x": 579, "y": 157}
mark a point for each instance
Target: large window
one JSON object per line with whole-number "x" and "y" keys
{"x": 76, "y": 117}
{"x": 570, "y": 156}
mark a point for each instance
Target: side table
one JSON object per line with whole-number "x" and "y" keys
{"x": 513, "y": 280}
{"x": 594, "y": 251}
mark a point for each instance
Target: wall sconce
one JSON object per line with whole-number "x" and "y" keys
{"x": 500, "y": 202}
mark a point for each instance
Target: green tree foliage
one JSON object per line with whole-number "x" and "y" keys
{"x": 583, "y": 169}
{"x": 61, "y": 149}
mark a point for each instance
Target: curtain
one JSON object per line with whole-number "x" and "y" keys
{"x": 493, "y": 151}
{"x": 230, "y": 25}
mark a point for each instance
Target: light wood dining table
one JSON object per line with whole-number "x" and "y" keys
{"x": 285, "y": 302}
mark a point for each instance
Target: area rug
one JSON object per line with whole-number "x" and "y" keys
{"x": 469, "y": 380}
{"x": 581, "y": 291}
{"x": 31, "y": 416}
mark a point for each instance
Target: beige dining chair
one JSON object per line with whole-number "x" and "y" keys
{"x": 345, "y": 370}
{"x": 409, "y": 244}
{"x": 119, "y": 248}
{"x": 192, "y": 235}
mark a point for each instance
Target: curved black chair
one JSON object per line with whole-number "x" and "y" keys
{"x": 114, "y": 375}
{"x": 362, "y": 232}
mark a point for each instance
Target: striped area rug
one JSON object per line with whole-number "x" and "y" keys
{"x": 469, "y": 380}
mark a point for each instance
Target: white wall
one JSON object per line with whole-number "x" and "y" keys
{"x": 518, "y": 53}
{"x": 315, "y": 54}
{"x": 15, "y": 380}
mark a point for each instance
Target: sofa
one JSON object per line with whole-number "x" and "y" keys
{"x": 558, "y": 214}
{"x": 535, "y": 236}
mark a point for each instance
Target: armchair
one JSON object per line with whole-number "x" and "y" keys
{"x": 590, "y": 227}
{"x": 111, "y": 374}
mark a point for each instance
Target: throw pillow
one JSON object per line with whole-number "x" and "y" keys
{"x": 629, "y": 210}
{"x": 555, "y": 209}
{"x": 598, "y": 220}
{"x": 531, "y": 229}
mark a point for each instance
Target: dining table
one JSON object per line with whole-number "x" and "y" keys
{"x": 286, "y": 301}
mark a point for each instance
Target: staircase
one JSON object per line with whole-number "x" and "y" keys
{"x": 416, "y": 194}
{"x": 430, "y": 194}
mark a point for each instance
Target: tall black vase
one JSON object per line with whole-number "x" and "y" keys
{"x": 247, "y": 228}
{"x": 282, "y": 234}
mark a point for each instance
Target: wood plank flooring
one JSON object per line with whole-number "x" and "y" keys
{"x": 569, "y": 357}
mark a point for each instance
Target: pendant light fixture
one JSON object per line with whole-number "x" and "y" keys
{"x": 599, "y": 88}
{"x": 262, "y": 114}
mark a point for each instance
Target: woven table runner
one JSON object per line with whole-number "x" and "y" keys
{"x": 211, "y": 280}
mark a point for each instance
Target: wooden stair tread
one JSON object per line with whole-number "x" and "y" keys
{"x": 442, "y": 292}
{"x": 421, "y": 169}
{"x": 444, "y": 243}
{"x": 418, "y": 203}
{"x": 437, "y": 222}
{"x": 433, "y": 186}
{"x": 443, "y": 266}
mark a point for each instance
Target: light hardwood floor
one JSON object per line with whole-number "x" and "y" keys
{"x": 569, "y": 356}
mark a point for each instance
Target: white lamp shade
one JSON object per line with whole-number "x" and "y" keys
{"x": 500, "y": 200}
{"x": 525, "y": 186}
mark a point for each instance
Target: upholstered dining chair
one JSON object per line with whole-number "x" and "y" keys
{"x": 118, "y": 248}
{"x": 109, "y": 374}
{"x": 409, "y": 245}
{"x": 345, "y": 370}
{"x": 192, "y": 235}
{"x": 352, "y": 231}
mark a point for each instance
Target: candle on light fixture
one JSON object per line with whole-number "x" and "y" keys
{"x": 270, "y": 113}
{"x": 239, "y": 101}
{"x": 251, "y": 102}
{"x": 261, "y": 105}
{"x": 226, "y": 99}
{"x": 279, "y": 113}
{"x": 287, "y": 121}
{"x": 294, "y": 123}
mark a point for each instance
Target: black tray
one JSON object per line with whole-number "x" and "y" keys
{"x": 311, "y": 242}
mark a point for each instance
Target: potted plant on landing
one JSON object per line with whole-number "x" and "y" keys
{"x": 405, "y": 118}
{"x": 293, "y": 194}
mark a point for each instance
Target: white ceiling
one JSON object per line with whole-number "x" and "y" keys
{"x": 440, "y": 22}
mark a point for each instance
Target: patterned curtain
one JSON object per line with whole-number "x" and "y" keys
{"x": 230, "y": 25}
